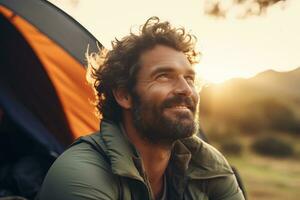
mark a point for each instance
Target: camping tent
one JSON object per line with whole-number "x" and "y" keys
{"x": 44, "y": 97}
{"x": 42, "y": 67}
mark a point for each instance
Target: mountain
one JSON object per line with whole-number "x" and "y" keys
{"x": 286, "y": 82}
{"x": 267, "y": 83}
{"x": 268, "y": 98}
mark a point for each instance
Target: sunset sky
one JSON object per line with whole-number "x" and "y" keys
{"x": 230, "y": 47}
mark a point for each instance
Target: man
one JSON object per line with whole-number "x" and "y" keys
{"x": 146, "y": 148}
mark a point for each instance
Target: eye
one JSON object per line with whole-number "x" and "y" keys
{"x": 190, "y": 79}
{"x": 163, "y": 77}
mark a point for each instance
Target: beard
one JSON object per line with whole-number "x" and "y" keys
{"x": 158, "y": 128}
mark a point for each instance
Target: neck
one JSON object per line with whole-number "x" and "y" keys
{"x": 155, "y": 161}
{"x": 155, "y": 157}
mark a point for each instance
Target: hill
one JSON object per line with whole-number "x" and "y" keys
{"x": 270, "y": 99}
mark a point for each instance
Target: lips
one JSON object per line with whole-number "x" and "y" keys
{"x": 179, "y": 110}
{"x": 179, "y": 103}
{"x": 180, "y": 107}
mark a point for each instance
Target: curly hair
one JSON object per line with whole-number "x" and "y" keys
{"x": 118, "y": 67}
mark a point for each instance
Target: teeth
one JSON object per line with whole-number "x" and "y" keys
{"x": 181, "y": 107}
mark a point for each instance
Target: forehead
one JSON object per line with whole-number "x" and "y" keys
{"x": 164, "y": 57}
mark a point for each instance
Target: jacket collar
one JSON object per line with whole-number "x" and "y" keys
{"x": 192, "y": 156}
{"x": 206, "y": 162}
{"x": 120, "y": 151}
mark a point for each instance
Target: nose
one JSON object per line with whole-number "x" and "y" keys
{"x": 182, "y": 87}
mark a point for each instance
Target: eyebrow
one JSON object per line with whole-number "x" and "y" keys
{"x": 169, "y": 69}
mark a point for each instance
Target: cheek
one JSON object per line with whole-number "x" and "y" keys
{"x": 155, "y": 94}
{"x": 195, "y": 96}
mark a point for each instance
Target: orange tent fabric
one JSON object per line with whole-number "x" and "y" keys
{"x": 66, "y": 74}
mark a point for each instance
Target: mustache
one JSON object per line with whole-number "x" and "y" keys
{"x": 180, "y": 100}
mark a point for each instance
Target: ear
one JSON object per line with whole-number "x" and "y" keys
{"x": 123, "y": 98}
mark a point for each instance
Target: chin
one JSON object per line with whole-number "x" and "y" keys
{"x": 179, "y": 117}
{"x": 184, "y": 128}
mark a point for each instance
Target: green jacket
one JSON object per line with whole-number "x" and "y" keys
{"x": 106, "y": 166}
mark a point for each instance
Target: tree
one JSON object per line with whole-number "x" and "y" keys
{"x": 239, "y": 8}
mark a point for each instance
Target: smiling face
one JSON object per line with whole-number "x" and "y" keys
{"x": 165, "y": 99}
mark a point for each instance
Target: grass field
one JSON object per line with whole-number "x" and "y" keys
{"x": 269, "y": 178}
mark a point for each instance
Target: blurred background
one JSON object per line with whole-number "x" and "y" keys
{"x": 249, "y": 73}
{"x": 249, "y": 69}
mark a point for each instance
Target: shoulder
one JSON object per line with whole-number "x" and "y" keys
{"x": 212, "y": 168}
{"x": 206, "y": 156}
{"x": 80, "y": 173}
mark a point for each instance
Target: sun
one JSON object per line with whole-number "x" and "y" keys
{"x": 214, "y": 78}
{"x": 216, "y": 75}
{"x": 210, "y": 76}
